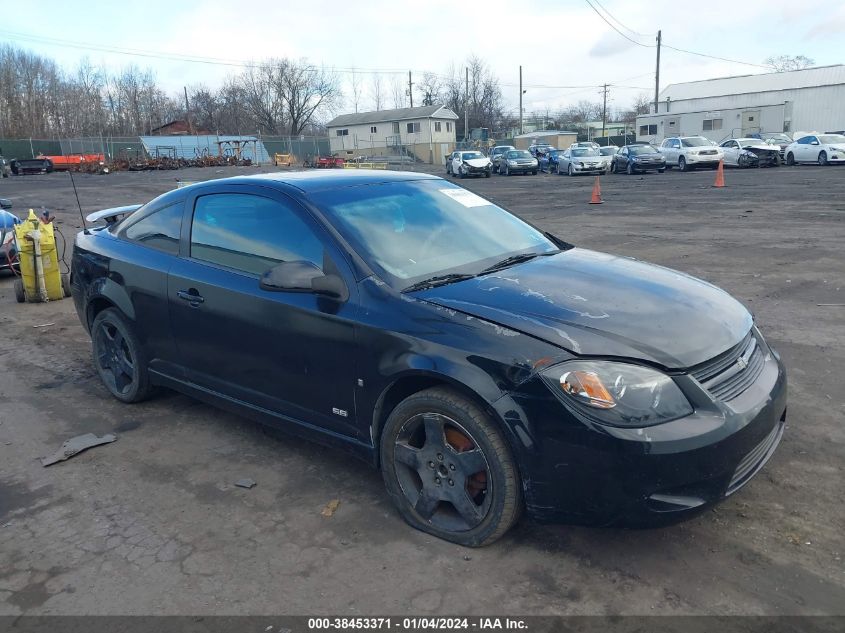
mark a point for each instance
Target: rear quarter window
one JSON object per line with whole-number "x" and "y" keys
{"x": 159, "y": 230}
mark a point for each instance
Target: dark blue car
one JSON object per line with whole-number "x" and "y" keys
{"x": 486, "y": 367}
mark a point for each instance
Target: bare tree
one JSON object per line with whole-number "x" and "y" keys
{"x": 355, "y": 85}
{"x": 377, "y": 90}
{"x": 641, "y": 105}
{"x": 431, "y": 88}
{"x": 481, "y": 100}
{"x": 782, "y": 63}
{"x": 397, "y": 89}
{"x": 306, "y": 91}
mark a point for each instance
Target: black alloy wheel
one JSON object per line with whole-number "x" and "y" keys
{"x": 448, "y": 469}
{"x": 119, "y": 358}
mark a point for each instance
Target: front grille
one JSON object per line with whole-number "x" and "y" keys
{"x": 755, "y": 460}
{"x": 707, "y": 152}
{"x": 728, "y": 375}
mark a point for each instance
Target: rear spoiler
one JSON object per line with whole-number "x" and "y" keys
{"x": 111, "y": 216}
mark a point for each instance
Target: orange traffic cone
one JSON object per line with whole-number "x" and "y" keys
{"x": 720, "y": 175}
{"x": 596, "y": 197}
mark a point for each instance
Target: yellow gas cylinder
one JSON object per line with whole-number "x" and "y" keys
{"x": 41, "y": 279}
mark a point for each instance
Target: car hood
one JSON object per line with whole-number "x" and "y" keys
{"x": 760, "y": 146}
{"x": 478, "y": 162}
{"x": 602, "y": 305}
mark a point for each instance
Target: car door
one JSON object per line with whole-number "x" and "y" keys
{"x": 150, "y": 248}
{"x": 622, "y": 159}
{"x": 290, "y": 353}
{"x": 731, "y": 152}
{"x": 667, "y": 148}
{"x": 804, "y": 148}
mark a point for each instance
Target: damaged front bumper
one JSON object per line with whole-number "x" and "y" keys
{"x": 592, "y": 474}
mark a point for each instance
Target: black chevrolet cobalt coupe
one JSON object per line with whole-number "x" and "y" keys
{"x": 486, "y": 367}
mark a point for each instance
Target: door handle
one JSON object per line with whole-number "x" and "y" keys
{"x": 193, "y": 297}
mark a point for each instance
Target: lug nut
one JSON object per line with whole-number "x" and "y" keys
{"x": 437, "y": 480}
{"x": 451, "y": 483}
{"x": 431, "y": 464}
{"x": 451, "y": 467}
{"x": 440, "y": 456}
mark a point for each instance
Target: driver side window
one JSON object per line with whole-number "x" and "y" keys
{"x": 251, "y": 233}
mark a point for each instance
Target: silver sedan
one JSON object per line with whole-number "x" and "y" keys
{"x": 582, "y": 160}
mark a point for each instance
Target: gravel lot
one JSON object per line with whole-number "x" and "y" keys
{"x": 153, "y": 523}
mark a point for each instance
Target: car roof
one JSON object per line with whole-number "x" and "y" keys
{"x": 322, "y": 179}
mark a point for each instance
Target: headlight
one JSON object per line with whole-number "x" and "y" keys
{"x": 617, "y": 393}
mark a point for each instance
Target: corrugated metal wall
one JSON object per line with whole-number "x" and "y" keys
{"x": 191, "y": 147}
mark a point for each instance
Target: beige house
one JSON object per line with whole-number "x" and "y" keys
{"x": 427, "y": 132}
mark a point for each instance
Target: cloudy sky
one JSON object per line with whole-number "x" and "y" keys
{"x": 565, "y": 48}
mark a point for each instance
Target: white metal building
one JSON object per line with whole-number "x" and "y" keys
{"x": 793, "y": 101}
{"x": 426, "y": 131}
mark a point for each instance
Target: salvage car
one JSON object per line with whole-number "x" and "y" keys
{"x": 823, "y": 149}
{"x": 472, "y": 163}
{"x": 496, "y": 155}
{"x": 750, "y": 152}
{"x": 778, "y": 139}
{"x": 484, "y": 366}
{"x": 24, "y": 166}
{"x": 518, "y": 161}
{"x": 582, "y": 160}
{"x": 688, "y": 152}
{"x": 637, "y": 158}
{"x": 548, "y": 161}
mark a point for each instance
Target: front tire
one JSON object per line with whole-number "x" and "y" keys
{"x": 119, "y": 358}
{"x": 790, "y": 159}
{"x": 447, "y": 468}
{"x": 823, "y": 159}
{"x": 682, "y": 164}
{"x": 570, "y": 170}
{"x": 629, "y": 169}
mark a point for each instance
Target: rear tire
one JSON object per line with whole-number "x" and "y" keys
{"x": 65, "y": 284}
{"x": 448, "y": 469}
{"x": 20, "y": 291}
{"x": 119, "y": 358}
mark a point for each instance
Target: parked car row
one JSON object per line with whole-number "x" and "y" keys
{"x": 682, "y": 152}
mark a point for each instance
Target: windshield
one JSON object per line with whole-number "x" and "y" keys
{"x": 779, "y": 138}
{"x": 637, "y": 150}
{"x": 412, "y": 230}
{"x": 584, "y": 151}
{"x": 519, "y": 153}
{"x": 471, "y": 155}
{"x": 607, "y": 151}
{"x": 827, "y": 139}
{"x": 695, "y": 141}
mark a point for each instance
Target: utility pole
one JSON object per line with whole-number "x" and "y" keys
{"x": 466, "y": 108}
{"x": 604, "y": 110}
{"x": 520, "y": 99}
{"x": 411, "y": 88}
{"x": 187, "y": 110}
{"x": 657, "y": 75}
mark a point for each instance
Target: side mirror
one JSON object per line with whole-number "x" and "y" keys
{"x": 302, "y": 276}
{"x": 5, "y": 203}
{"x": 814, "y": 143}
{"x": 290, "y": 276}
{"x": 330, "y": 286}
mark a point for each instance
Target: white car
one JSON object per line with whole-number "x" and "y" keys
{"x": 816, "y": 148}
{"x": 750, "y": 152}
{"x": 689, "y": 152}
{"x": 471, "y": 163}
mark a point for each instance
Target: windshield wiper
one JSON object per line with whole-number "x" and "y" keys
{"x": 437, "y": 280}
{"x": 510, "y": 261}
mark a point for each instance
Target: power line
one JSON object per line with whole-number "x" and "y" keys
{"x": 611, "y": 16}
{"x": 724, "y": 59}
{"x": 610, "y": 24}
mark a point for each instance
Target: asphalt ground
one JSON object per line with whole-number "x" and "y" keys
{"x": 153, "y": 523}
